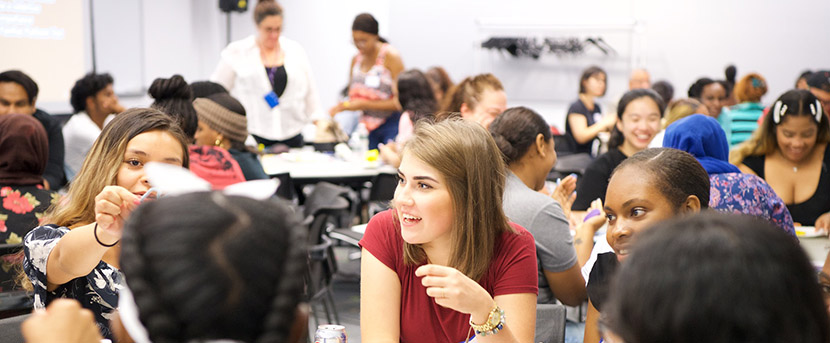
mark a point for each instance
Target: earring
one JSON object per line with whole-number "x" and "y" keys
{"x": 218, "y": 141}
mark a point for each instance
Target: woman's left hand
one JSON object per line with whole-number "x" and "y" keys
{"x": 454, "y": 290}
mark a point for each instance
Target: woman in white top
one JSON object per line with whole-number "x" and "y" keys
{"x": 271, "y": 77}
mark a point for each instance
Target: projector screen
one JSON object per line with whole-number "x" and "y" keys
{"x": 44, "y": 39}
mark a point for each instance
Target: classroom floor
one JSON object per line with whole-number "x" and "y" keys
{"x": 346, "y": 287}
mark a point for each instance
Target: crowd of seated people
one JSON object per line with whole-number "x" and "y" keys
{"x": 714, "y": 185}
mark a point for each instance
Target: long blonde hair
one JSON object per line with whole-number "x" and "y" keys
{"x": 101, "y": 164}
{"x": 470, "y": 162}
{"x": 798, "y": 102}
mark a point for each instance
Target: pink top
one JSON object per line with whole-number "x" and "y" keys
{"x": 375, "y": 84}
{"x": 512, "y": 271}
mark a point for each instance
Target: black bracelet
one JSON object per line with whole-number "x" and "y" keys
{"x": 95, "y": 233}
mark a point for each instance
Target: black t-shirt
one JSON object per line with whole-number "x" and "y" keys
{"x": 54, "y": 173}
{"x": 594, "y": 182}
{"x": 806, "y": 212}
{"x": 579, "y": 108}
{"x": 278, "y": 78}
{"x": 599, "y": 281}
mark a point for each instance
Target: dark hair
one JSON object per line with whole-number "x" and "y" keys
{"x": 798, "y": 102}
{"x": 696, "y": 89}
{"x": 415, "y": 94}
{"x": 677, "y": 174}
{"x": 730, "y": 73}
{"x": 365, "y": 22}
{"x": 203, "y": 89}
{"x": 587, "y": 73}
{"x": 23, "y": 80}
{"x": 174, "y": 97}
{"x": 803, "y": 76}
{"x": 87, "y": 86}
{"x": 439, "y": 77}
{"x": 617, "y": 137}
{"x": 229, "y": 102}
{"x": 665, "y": 89}
{"x": 727, "y": 86}
{"x": 265, "y": 9}
{"x": 515, "y": 132}
{"x": 238, "y": 257}
{"x": 718, "y": 278}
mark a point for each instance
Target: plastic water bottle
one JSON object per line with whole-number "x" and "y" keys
{"x": 362, "y": 142}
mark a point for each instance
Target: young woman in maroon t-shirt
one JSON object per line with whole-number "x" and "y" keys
{"x": 444, "y": 263}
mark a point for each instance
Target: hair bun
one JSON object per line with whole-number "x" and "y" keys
{"x": 173, "y": 88}
{"x": 509, "y": 153}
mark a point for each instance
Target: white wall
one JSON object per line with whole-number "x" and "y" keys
{"x": 680, "y": 41}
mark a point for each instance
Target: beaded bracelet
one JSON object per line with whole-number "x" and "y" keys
{"x": 494, "y": 324}
{"x": 95, "y": 233}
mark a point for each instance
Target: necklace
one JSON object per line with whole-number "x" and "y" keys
{"x": 795, "y": 169}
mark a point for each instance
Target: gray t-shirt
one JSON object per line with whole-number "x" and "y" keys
{"x": 543, "y": 217}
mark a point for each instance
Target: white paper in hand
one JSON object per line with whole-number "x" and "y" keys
{"x": 255, "y": 189}
{"x": 174, "y": 180}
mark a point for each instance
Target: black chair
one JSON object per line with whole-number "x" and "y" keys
{"x": 10, "y": 329}
{"x": 381, "y": 193}
{"x": 13, "y": 300}
{"x": 286, "y": 188}
{"x": 321, "y": 270}
{"x": 326, "y": 207}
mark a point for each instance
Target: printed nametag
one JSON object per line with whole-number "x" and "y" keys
{"x": 372, "y": 81}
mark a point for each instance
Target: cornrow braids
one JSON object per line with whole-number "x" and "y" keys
{"x": 154, "y": 315}
{"x": 238, "y": 252}
{"x": 279, "y": 320}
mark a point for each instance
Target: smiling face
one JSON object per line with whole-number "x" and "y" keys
{"x": 796, "y": 137}
{"x": 640, "y": 122}
{"x": 713, "y": 96}
{"x": 150, "y": 146}
{"x": 423, "y": 203}
{"x": 491, "y": 104}
{"x": 633, "y": 204}
{"x": 269, "y": 30}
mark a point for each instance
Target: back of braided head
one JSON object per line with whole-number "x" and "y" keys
{"x": 208, "y": 266}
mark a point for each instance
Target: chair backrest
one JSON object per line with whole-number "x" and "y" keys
{"x": 383, "y": 187}
{"x": 550, "y": 323}
{"x": 286, "y": 188}
{"x": 321, "y": 267}
{"x": 326, "y": 196}
{"x": 10, "y": 329}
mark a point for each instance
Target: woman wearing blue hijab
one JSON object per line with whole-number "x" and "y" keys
{"x": 730, "y": 190}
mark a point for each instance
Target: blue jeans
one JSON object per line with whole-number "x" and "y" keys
{"x": 574, "y": 331}
{"x": 386, "y": 132}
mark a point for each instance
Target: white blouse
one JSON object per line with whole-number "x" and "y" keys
{"x": 241, "y": 71}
